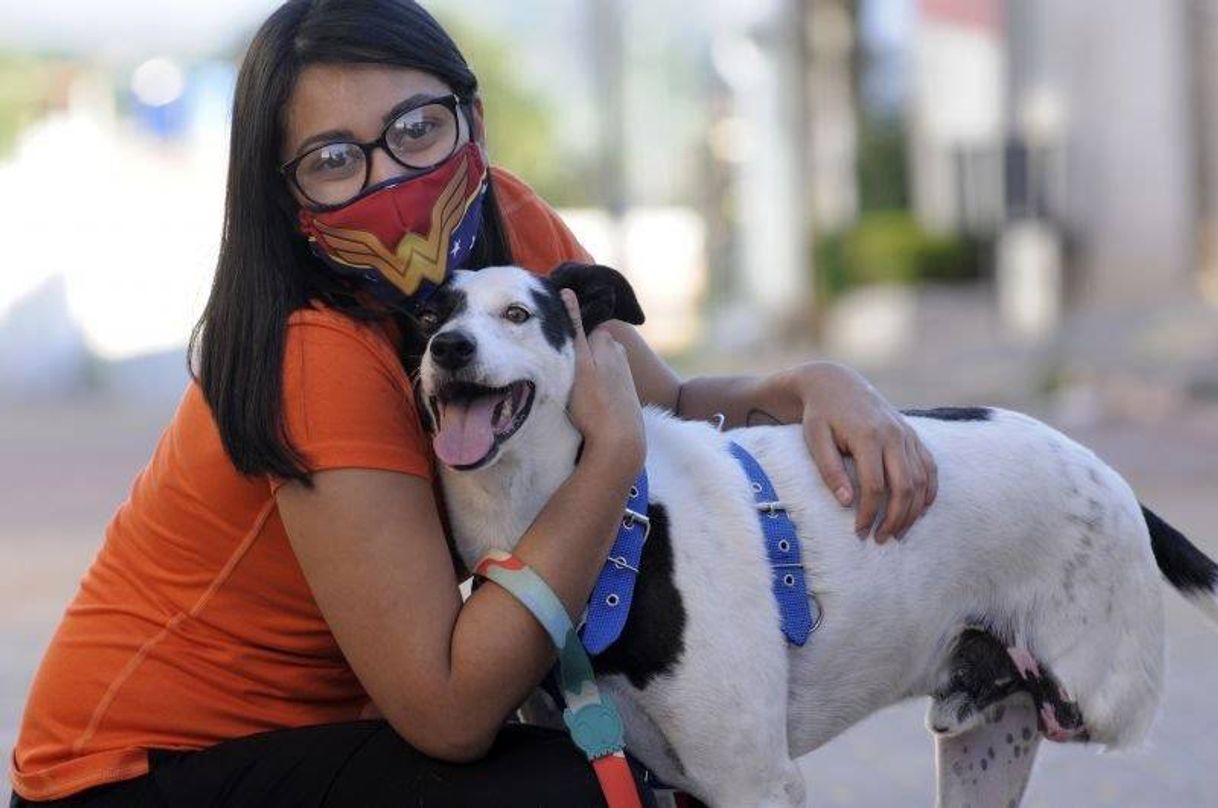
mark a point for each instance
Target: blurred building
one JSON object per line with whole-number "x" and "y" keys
{"x": 1093, "y": 120}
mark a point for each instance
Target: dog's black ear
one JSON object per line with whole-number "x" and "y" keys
{"x": 604, "y": 294}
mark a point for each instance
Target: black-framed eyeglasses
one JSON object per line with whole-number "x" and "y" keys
{"x": 420, "y": 138}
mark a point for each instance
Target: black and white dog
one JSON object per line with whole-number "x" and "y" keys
{"x": 1025, "y": 602}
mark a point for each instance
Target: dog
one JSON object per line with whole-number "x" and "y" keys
{"x": 1024, "y": 603}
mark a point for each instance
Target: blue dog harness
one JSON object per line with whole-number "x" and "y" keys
{"x": 610, "y": 603}
{"x": 782, "y": 547}
{"x": 614, "y": 591}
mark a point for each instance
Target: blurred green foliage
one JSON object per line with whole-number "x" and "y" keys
{"x": 883, "y": 178}
{"x": 23, "y": 87}
{"x": 886, "y": 244}
{"x": 520, "y": 120}
{"x": 891, "y": 247}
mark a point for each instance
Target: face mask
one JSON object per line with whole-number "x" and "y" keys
{"x": 404, "y": 237}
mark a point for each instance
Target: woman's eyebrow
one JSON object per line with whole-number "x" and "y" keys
{"x": 347, "y": 135}
{"x": 324, "y": 137}
{"x": 414, "y": 100}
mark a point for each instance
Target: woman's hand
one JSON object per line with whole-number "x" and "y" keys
{"x": 844, "y": 415}
{"x": 604, "y": 405}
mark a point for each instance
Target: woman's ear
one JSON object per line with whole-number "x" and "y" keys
{"x": 604, "y": 293}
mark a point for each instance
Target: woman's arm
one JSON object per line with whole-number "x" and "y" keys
{"x": 842, "y": 414}
{"x": 372, "y": 548}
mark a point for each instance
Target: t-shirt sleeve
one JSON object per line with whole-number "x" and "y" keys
{"x": 348, "y": 403}
{"x": 563, "y": 244}
{"x": 539, "y": 238}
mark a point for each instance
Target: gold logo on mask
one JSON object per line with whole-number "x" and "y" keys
{"x": 416, "y": 258}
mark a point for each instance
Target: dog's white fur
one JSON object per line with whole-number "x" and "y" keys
{"x": 1031, "y": 533}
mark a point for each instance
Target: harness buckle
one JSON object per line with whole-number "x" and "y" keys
{"x": 772, "y": 509}
{"x": 634, "y": 516}
{"x": 622, "y": 564}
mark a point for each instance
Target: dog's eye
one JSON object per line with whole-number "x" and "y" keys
{"x": 429, "y": 321}
{"x": 516, "y": 314}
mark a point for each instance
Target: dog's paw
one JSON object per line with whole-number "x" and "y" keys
{"x": 1061, "y": 720}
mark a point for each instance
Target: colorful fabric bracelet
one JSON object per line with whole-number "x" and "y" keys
{"x": 591, "y": 718}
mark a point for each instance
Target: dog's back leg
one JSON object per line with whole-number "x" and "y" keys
{"x": 983, "y": 671}
{"x": 989, "y": 765}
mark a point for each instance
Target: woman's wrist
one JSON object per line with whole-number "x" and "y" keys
{"x": 616, "y": 463}
{"x": 791, "y": 389}
{"x": 775, "y": 398}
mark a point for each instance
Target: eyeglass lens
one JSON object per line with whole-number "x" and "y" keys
{"x": 419, "y": 138}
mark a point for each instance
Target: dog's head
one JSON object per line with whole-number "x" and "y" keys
{"x": 500, "y": 353}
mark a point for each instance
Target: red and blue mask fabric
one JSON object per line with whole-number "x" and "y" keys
{"x": 404, "y": 238}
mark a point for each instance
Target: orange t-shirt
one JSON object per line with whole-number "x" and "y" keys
{"x": 194, "y": 623}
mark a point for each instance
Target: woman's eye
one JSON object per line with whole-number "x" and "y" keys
{"x": 415, "y": 130}
{"x": 412, "y": 131}
{"x": 516, "y": 314}
{"x": 339, "y": 159}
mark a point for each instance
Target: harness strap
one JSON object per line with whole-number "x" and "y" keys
{"x": 591, "y": 718}
{"x": 782, "y": 547}
{"x": 609, "y": 605}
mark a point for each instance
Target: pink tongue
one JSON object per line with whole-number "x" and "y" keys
{"x": 465, "y": 435}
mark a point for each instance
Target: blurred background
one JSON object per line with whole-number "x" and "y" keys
{"x": 972, "y": 201}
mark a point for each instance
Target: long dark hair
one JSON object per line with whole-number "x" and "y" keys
{"x": 265, "y": 269}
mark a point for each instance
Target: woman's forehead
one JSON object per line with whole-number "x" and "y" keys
{"x": 352, "y": 98}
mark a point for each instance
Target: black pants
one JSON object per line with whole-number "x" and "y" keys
{"x": 364, "y": 764}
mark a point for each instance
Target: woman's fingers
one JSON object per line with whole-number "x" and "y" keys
{"x": 828, "y": 458}
{"x": 915, "y": 476}
{"x": 932, "y": 472}
{"x": 844, "y": 415}
{"x": 610, "y": 356}
{"x": 569, "y": 299}
{"x": 900, "y": 492}
{"x": 869, "y": 465}
{"x": 604, "y": 406}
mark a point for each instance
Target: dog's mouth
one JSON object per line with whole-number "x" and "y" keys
{"x": 473, "y": 420}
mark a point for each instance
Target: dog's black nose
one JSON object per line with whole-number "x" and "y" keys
{"x": 452, "y": 350}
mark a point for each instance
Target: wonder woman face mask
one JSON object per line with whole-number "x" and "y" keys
{"x": 405, "y": 236}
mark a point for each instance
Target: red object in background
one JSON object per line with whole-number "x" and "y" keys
{"x": 986, "y": 15}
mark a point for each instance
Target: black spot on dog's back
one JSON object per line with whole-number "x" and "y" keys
{"x": 552, "y": 315}
{"x": 952, "y": 413}
{"x": 653, "y": 638}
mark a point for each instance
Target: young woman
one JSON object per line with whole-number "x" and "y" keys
{"x": 274, "y": 617}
